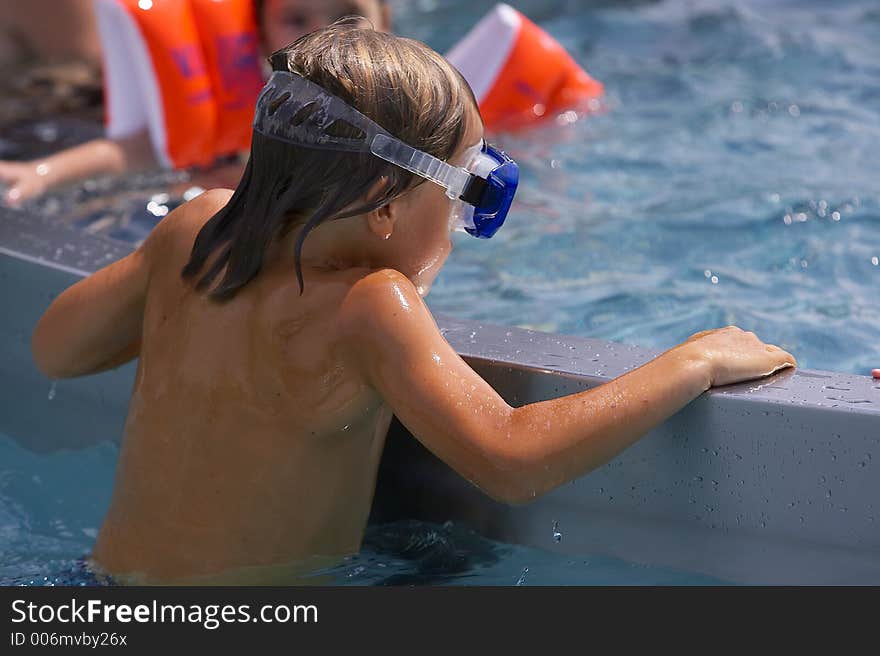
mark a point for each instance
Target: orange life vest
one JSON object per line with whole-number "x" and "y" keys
{"x": 189, "y": 70}
{"x": 519, "y": 73}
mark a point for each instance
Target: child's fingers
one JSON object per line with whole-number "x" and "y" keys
{"x": 876, "y": 373}
{"x": 785, "y": 356}
{"x": 779, "y": 367}
{"x": 702, "y": 333}
{"x": 13, "y": 196}
{"x": 782, "y": 360}
{"x": 11, "y": 174}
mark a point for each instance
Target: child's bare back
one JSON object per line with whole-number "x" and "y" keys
{"x": 250, "y": 438}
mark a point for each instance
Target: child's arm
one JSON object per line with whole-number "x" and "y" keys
{"x": 95, "y": 324}
{"x": 28, "y": 180}
{"x": 515, "y": 454}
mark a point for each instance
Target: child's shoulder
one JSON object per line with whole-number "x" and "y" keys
{"x": 380, "y": 291}
{"x": 384, "y": 301}
{"x": 183, "y": 224}
{"x": 212, "y": 198}
{"x": 191, "y": 216}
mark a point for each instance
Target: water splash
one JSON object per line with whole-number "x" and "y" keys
{"x": 557, "y": 534}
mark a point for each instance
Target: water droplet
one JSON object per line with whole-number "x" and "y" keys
{"x": 522, "y": 577}
{"x": 52, "y": 390}
{"x": 557, "y": 535}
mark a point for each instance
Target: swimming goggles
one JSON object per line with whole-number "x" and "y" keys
{"x": 298, "y": 111}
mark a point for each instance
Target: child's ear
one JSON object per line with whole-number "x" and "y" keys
{"x": 381, "y": 221}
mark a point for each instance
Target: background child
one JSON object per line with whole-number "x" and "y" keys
{"x": 47, "y": 31}
{"x": 281, "y": 22}
{"x": 262, "y": 398}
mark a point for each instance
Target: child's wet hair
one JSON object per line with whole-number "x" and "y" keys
{"x": 401, "y": 84}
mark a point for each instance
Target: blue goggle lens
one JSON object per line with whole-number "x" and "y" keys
{"x": 497, "y": 196}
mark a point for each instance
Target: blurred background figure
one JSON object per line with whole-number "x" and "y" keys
{"x": 279, "y": 23}
{"x": 282, "y": 22}
{"x": 47, "y": 31}
{"x": 50, "y": 59}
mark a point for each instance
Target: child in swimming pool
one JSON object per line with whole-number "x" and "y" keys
{"x": 279, "y": 327}
{"x": 280, "y": 22}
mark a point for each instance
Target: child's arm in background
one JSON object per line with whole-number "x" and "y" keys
{"x": 95, "y": 324}
{"x": 26, "y": 180}
{"x": 515, "y": 454}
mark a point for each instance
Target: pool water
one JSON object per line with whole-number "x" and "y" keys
{"x": 51, "y": 507}
{"x": 731, "y": 177}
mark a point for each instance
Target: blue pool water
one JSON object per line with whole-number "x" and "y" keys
{"x": 731, "y": 178}
{"x": 51, "y": 507}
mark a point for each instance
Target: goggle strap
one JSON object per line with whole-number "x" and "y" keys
{"x": 451, "y": 178}
{"x": 298, "y": 111}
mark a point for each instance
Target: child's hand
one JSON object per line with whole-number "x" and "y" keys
{"x": 876, "y": 373}
{"x": 25, "y": 180}
{"x": 734, "y": 355}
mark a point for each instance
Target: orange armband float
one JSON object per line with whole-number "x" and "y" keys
{"x": 518, "y": 72}
{"x": 186, "y": 70}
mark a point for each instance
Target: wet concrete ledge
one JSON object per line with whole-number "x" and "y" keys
{"x": 770, "y": 482}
